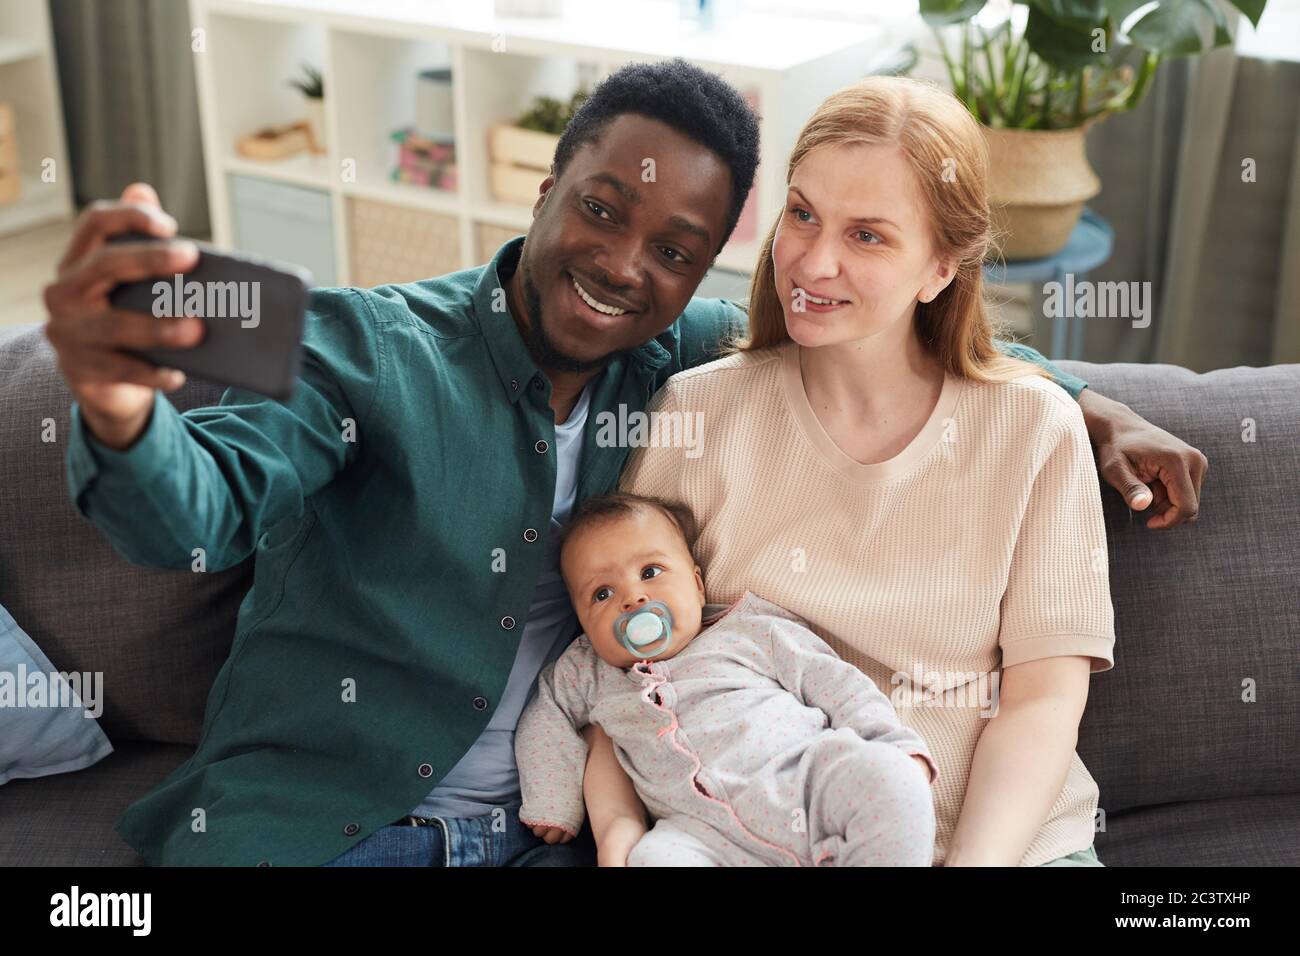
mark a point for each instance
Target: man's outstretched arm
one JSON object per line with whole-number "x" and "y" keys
{"x": 1149, "y": 467}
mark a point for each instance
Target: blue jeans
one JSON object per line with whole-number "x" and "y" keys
{"x": 492, "y": 840}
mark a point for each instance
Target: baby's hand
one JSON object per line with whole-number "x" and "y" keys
{"x": 621, "y": 835}
{"x": 552, "y": 835}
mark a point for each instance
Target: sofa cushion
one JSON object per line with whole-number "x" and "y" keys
{"x": 158, "y": 636}
{"x": 68, "y": 820}
{"x": 1207, "y": 610}
{"x": 54, "y": 733}
{"x": 1238, "y": 831}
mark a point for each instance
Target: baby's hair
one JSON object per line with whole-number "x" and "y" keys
{"x": 620, "y": 504}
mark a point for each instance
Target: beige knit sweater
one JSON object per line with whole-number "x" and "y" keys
{"x": 979, "y": 546}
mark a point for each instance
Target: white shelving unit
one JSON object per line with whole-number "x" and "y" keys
{"x": 29, "y": 83}
{"x": 369, "y": 52}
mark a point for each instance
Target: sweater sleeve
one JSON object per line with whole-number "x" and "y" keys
{"x": 1057, "y": 599}
{"x": 549, "y": 748}
{"x": 810, "y": 669}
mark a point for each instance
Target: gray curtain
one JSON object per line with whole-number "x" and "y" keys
{"x": 127, "y": 77}
{"x": 1222, "y": 255}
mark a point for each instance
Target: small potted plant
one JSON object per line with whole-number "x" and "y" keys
{"x": 312, "y": 87}
{"x": 522, "y": 151}
{"x": 1038, "y": 73}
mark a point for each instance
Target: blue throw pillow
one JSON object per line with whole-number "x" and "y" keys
{"x": 45, "y": 727}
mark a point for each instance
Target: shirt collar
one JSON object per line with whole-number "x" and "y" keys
{"x": 514, "y": 365}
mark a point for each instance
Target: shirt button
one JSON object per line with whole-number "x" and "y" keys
{"x": 530, "y": 535}
{"x": 541, "y": 446}
{"x": 537, "y": 384}
{"x": 265, "y": 863}
{"x": 514, "y": 385}
{"x": 480, "y": 703}
{"x": 508, "y": 622}
{"x": 425, "y": 770}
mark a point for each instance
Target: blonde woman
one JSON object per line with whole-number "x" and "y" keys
{"x": 872, "y": 462}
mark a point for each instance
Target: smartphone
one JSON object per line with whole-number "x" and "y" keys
{"x": 252, "y": 310}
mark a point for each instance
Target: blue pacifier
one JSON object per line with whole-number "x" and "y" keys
{"x": 643, "y": 626}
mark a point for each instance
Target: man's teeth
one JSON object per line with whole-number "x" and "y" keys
{"x": 598, "y": 306}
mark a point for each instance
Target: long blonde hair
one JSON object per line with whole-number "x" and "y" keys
{"x": 947, "y": 152}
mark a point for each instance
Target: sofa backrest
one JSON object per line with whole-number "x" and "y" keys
{"x": 1207, "y": 615}
{"x": 1203, "y": 613}
{"x": 159, "y": 637}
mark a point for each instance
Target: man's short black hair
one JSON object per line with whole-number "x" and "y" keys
{"x": 700, "y": 104}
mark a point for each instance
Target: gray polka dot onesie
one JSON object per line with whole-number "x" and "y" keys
{"x": 756, "y": 745}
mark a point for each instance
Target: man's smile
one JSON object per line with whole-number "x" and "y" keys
{"x": 598, "y": 309}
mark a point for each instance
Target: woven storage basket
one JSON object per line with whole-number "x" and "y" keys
{"x": 395, "y": 244}
{"x": 1039, "y": 181}
{"x": 10, "y": 181}
{"x": 488, "y": 239}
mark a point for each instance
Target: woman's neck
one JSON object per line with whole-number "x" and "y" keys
{"x": 871, "y": 376}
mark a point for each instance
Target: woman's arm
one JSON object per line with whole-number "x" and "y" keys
{"x": 617, "y": 815}
{"x": 1021, "y": 761}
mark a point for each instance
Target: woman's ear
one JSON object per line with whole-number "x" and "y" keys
{"x": 944, "y": 272}
{"x": 699, "y": 582}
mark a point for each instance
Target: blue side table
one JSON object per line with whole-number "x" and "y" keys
{"x": 1090, "y": 245}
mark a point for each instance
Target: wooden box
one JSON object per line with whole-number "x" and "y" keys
{"x": 10, "y": 180}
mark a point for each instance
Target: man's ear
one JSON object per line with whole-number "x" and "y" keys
{"x": 699, "y": 581}
{"x": 543, "y": 191}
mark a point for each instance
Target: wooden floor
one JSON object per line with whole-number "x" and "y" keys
{"x": 27, "y": 261}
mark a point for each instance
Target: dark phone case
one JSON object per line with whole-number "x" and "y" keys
{"x": 262, "y": 357}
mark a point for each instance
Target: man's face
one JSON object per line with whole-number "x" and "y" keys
{"x": 620, "y": 241}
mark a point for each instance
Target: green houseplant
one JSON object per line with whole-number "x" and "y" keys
{"x": 521, "y": 151}
{"x": 1038, "y": 73}
{"x": 312, "y": 87}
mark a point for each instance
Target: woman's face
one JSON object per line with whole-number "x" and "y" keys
{"x": 853, "y": 251}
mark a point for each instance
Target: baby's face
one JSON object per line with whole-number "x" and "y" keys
{"x": 620, "y": 563}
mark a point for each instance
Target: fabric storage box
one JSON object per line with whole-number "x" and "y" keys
{"x": 285, "y": 222}
{"x": 489, "y": 238}
{"x": 10, "y": 182}
{"x": 391, "y": 243}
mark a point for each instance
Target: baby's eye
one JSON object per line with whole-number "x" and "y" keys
{"x": 602, "y": 594}
{"x": 646, "y": 571}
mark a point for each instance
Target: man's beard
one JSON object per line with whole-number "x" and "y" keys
{"x": 544, "y": 351}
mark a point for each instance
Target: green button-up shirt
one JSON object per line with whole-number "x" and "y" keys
{"x": 392, "y": 503}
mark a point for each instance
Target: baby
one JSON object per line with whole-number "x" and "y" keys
{"x": 747, "y": 738}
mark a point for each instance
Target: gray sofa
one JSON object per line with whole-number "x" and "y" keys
{"x": 1190, "y": 774}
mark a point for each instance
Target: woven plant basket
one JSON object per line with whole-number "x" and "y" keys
{"x": 1039, "y": 181}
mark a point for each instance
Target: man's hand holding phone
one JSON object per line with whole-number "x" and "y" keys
{"x": 116, "y": 390}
